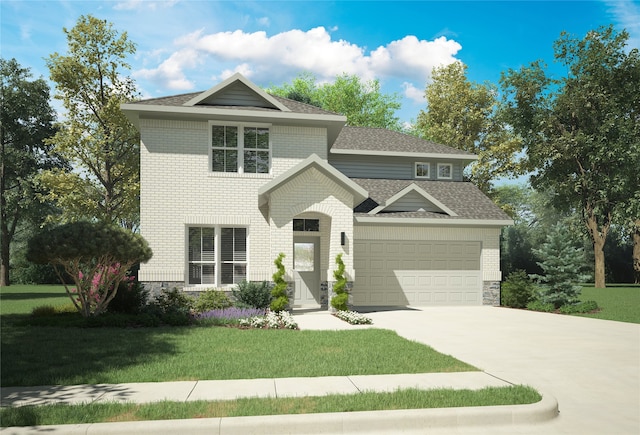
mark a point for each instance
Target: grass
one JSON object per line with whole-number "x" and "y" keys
{"x": 68, "y": 356}
{"x": 619, "y": 302}
{"x": 32, "y": 355}
{"x": 400, "y": 399}
{"x": 21, "y": 299}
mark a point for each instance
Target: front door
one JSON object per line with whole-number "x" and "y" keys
{"x": 306, "y": 271}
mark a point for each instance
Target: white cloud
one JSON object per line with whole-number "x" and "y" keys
{"x": 284, "y": 54}
{"x": 170, "y": 72}
{"x": 244, "y": 69}
{"x": 129, "y": 5}
{"x": 413, "y": 93}
{"x": 627, "y": 13}
{"x": 264, "y": 21}
{"x": 414, "y": 58}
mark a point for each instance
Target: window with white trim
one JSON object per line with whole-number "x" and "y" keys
{"x": 216, "y": 255}
{"x": 422, "y": 170}
{"x": 243, "y": 149}
{"x": 445, "y": 171}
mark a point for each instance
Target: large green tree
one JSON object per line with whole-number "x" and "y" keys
{"x": 464, "y": 115}
{"x": 582, "y": 131}
{"x": 95, "y": 136}
{"x": 26, "y": 120}
{"x": 362, "y": 102}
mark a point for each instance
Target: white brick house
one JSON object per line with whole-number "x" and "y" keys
{"x": 233, "y": 176}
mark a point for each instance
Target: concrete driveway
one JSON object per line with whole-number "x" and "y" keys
{"x": 591, "y": 366}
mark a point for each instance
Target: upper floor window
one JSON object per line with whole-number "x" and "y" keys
{"x": 445, "y": 171}
{"x": 241, "y": 149}
{"x": 422, "y": 170}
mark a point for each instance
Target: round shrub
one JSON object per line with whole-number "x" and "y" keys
{"x": 517, "y": 290}
{"x": 580, "y": 307}
{"x": 211, "y": 299}
{"x": 537, "y": 305}
{"x": 253, "y": 294}
{"x": 43, "y": 311}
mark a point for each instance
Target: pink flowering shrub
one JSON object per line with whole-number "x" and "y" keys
{"x": 96, "y": 256}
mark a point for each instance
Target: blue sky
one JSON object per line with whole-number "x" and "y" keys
{"x": 186, "y": 46}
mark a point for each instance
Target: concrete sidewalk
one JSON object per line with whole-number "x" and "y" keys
{"x": 187, "y": 391}
{"x": 494, "y": 419}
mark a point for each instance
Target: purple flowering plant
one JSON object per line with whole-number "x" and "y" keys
{"x": 228, "y": 316}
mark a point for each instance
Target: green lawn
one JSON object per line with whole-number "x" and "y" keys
{"x": 68, "y": 356}
{"x": 39, "y": 355}
{"x": 401, "y": 399}
{"x": 21, "y": 299}
{"x": 48, "y": 355}
{"x": 619, "y": 302}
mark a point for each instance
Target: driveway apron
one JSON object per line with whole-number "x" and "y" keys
{"x": 591, "y": 366}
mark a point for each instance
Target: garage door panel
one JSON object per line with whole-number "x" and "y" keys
{"x": 417, "y": 273}
{"x": 376, "y": 264}
{"x": 409, "y": 264}
{"x": 409, "y": 248}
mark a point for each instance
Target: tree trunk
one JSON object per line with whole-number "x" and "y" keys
{"x": 636, "y": 251}
{"x": 4, "y": 265}
{"x": 598, "y": 238}
{"x": 4, "y": 228}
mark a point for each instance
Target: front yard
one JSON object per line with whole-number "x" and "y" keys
{"x": 57, "y": 355}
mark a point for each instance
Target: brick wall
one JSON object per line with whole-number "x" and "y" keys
{"x": 178, "y": 190}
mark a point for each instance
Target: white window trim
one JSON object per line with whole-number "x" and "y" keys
{"x": 442, "y": 165}
{"x": 217, "y": 242}
{"x": 241, "y": 126}
{"x": 415, "y": 171}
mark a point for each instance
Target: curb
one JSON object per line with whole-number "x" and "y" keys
{"x": 327, "y": 423}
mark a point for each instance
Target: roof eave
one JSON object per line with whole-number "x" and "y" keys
{"x": 466, "y": 157}
{"x": 134, "y": 112}
{"x": 434, "y": 221}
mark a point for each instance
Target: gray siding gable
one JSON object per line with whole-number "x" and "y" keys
{"x": 395, "y": 168}
{"x": 237, "y": 94}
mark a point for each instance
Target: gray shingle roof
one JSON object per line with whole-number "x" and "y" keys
{"x": 380, "y": 139}
{"x": 179, "y": 100}
{"x": 463, "y": 198}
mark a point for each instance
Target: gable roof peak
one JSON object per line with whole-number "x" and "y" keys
{"x": 237, "y": 90}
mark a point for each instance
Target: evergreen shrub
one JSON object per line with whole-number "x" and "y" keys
{"x": 341, "y": 298}
{"x": 253, "y": 294}
{"x": 517, "y": 290}
{"x": 280, "y": 300}
{"x": 211, "y": 299}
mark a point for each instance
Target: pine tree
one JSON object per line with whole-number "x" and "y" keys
{"x": 561, "y": 264}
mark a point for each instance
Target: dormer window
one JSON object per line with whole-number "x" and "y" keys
{"x": 422, "y": 170}
{"x": 242, "y": 149}
{"x": 445, "y": 171}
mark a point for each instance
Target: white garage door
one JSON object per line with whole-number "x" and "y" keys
{"x": 419, "y": 273}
